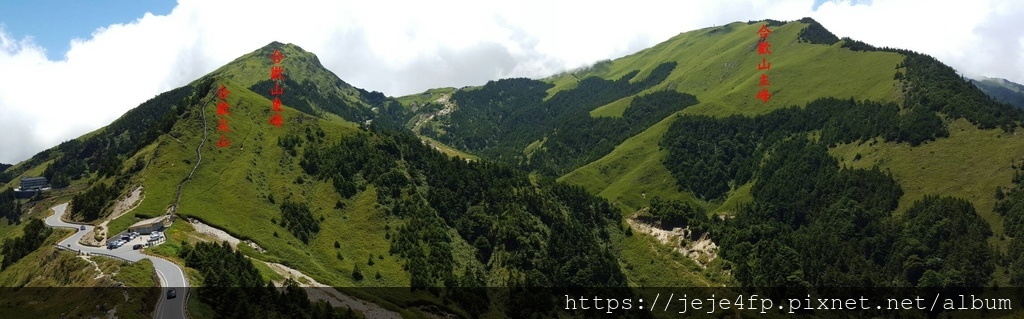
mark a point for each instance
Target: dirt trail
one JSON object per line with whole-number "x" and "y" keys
{"x": 99, "y": 271}
{"x": 325, "y": 292}
{"x": 221, "y": 235}
{"x": 320, "y": 291}
{"x": 199, "y": 159}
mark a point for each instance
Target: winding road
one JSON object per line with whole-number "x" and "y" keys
{"x": 169, "y": 273}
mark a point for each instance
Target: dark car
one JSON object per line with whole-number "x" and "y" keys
{"x": 171, "y": 294}
{"x": 137, "y": 247}
{"x": 82, "y": 228}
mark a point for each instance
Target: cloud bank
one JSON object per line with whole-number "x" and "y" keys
{"x": 401, "y": 48}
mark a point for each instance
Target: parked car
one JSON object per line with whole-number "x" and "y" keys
{"x": 137, "y": 247}
{"x": 171, "y": 293}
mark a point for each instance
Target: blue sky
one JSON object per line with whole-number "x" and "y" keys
{"x": 53, "y": 23}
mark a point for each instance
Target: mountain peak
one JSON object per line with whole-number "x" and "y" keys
{"x": 308, "y": 86}
{"x": 254, "y": 67}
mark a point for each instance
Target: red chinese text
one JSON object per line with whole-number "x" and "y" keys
{"x": 223, "y": 111}
{"x": 764, "y": 48}
{"x": 276, "y": 75}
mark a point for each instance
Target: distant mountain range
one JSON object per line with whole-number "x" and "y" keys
{"x": 1002, "y": 90}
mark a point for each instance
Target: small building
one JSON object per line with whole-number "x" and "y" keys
{"x": 150, "y": 225}
{"x": 30, "y": 186}
{"x": 30, "y": 183}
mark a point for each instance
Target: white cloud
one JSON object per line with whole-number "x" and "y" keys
{"x": 406, "y": 47}
{"x": 978, "y": 38}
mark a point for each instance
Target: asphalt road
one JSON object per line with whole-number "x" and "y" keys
{"x": 169, "y": 273}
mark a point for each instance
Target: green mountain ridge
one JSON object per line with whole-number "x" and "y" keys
{"x": 333, "y": 193}
{"x": 870, "y": 76}
{"x": 707, "y": 64}
{"x": 890, "y": 103}
{"x": 858, "y": 147}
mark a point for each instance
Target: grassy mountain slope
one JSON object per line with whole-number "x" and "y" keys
{"x": 427, "y": 96}
{"x": 303, "y": 68}
{"x": 718, "y": 65}
{"x": 971, "y": 164}
{"x": 915, "y": 103}
{"x": 239, "y": 188}
{"x": 350, "y": 205}
{"x": 235, "y": 187}
{"x": 943, "y": 138}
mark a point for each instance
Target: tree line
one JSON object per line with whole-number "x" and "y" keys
{"x": 95, "y": 201}
{"x": 10, "y": 206}
{"x": 709, "y": 156}
{"x": 501, "y": 118}
{"x": 815, "y": 33}
{"x": 813, "y": 224}
{"x": 520, "y": 230}
{"x": 297, "y": 218}
{"x": 934, "y": 86}
{"x": 105, "y": 152}
{"x": 1010, "y": 205}
{"x": 580, "y": 138}
{"x": 14, "y": 249}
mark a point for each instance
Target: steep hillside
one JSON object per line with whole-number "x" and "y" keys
{"x": 358, "y": 205}
{"x": 732, "y": 165}
{"x": 718, "y": 65}
{"x": 844, "y": 69}
{"x": 721, "y": 72}
{"x": 337, "y": 193}
{"x": 599, "y": 127}
{"x": 715, "y": 150}
{"x": 310, "y": 88}
{"x": 831, "y": 183}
